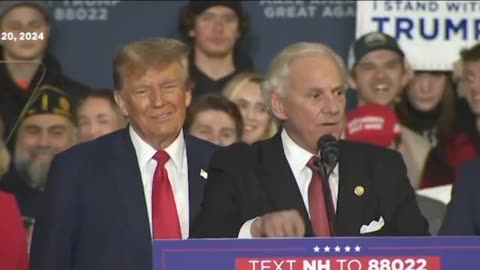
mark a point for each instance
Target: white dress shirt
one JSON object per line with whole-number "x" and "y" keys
{"x": 298, "y": 158}
{"x": 177, "y": 170}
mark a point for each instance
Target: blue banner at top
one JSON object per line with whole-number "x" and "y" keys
{"x": 416, "y": 253}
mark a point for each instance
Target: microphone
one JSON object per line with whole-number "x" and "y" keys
{"x": 329, "y": 153}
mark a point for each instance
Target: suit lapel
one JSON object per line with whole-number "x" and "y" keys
{"x": 279, "y": 180}
{"x": 195, "y": 181}
{"x": 351, "y": 207}
{"x": 128, "y": 181}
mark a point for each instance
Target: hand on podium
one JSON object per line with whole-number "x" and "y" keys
{"x": 287, "y": 223}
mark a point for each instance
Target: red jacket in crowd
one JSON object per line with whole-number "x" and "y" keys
{"x": 13, "y": 239}
{"x": 444, "y": 162}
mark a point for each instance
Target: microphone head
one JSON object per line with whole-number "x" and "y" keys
{"x": 329, "y": 151}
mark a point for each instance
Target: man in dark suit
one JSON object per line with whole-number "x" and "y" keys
{"x": 463, "y": 211}
{"x": 107, "y": 199}
{"x": 273, "y": 188}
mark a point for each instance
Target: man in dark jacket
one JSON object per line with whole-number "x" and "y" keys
{"x": 47, "y": 129}
{"x": 213, "y": 30}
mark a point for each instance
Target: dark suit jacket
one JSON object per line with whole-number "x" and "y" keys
{"x": 463, "y": 211}
{"x": 94, "y": 215}
{"x": 249, "y": 181}
{"x": 28, "y": 198}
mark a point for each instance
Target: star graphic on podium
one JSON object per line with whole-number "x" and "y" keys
{"x": 326, "y": 249}
{"x": 347, "y": 248}
{"x": 337, "y": 249}
{"x": 316, "y": 249}
{"x": 357, "y": 248}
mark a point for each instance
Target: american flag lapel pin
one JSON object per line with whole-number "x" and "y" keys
{"x": 203, "y": 174}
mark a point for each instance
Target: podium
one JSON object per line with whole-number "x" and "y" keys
{"x": 389, "y": 253}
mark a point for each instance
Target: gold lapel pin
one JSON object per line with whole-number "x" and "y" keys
{"x": 359, "y": 190}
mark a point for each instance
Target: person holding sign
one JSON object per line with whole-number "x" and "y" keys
{"x": 303, "y": 182}
{"x": 464, "y": 144}
{"x": 427, "y": 112}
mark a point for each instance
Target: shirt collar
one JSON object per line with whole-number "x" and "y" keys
{"x": 296, "y": 156}
{"x": 145, "y": 151}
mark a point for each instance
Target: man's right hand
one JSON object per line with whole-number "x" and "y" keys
{"x": 288, "y": 223}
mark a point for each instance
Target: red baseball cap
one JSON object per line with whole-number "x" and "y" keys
{"x": 374, "y": 124}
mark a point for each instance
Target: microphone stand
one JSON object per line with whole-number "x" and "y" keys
{"x": 328, "y": 196}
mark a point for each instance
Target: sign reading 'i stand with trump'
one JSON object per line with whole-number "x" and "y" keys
{"x": 431, "y": 33}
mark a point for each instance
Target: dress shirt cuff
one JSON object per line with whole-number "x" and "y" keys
{"x": 245, "y": 230}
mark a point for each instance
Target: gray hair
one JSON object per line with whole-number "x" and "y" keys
{"x": 278, "y": 75}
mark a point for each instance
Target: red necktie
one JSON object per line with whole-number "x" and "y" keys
{"x": 316, "y": 201}
{"x": 165, "y": 220}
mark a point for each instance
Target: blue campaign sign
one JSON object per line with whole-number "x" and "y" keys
{"x": 415, "y": 253}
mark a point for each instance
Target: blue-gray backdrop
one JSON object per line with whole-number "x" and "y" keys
{"x": 87, "y": 33}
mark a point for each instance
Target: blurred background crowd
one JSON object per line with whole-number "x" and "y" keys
{"x": 432, "y": 117}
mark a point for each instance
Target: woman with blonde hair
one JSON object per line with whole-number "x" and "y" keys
{"x": 244, "y": 90}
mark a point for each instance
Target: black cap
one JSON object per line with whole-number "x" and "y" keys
{"x": 370, "y": 42}
{"x": 51, "y": 100}
{"x": 199, "y": 7}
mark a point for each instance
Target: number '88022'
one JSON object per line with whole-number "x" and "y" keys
{"x": 397, "y": 264}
